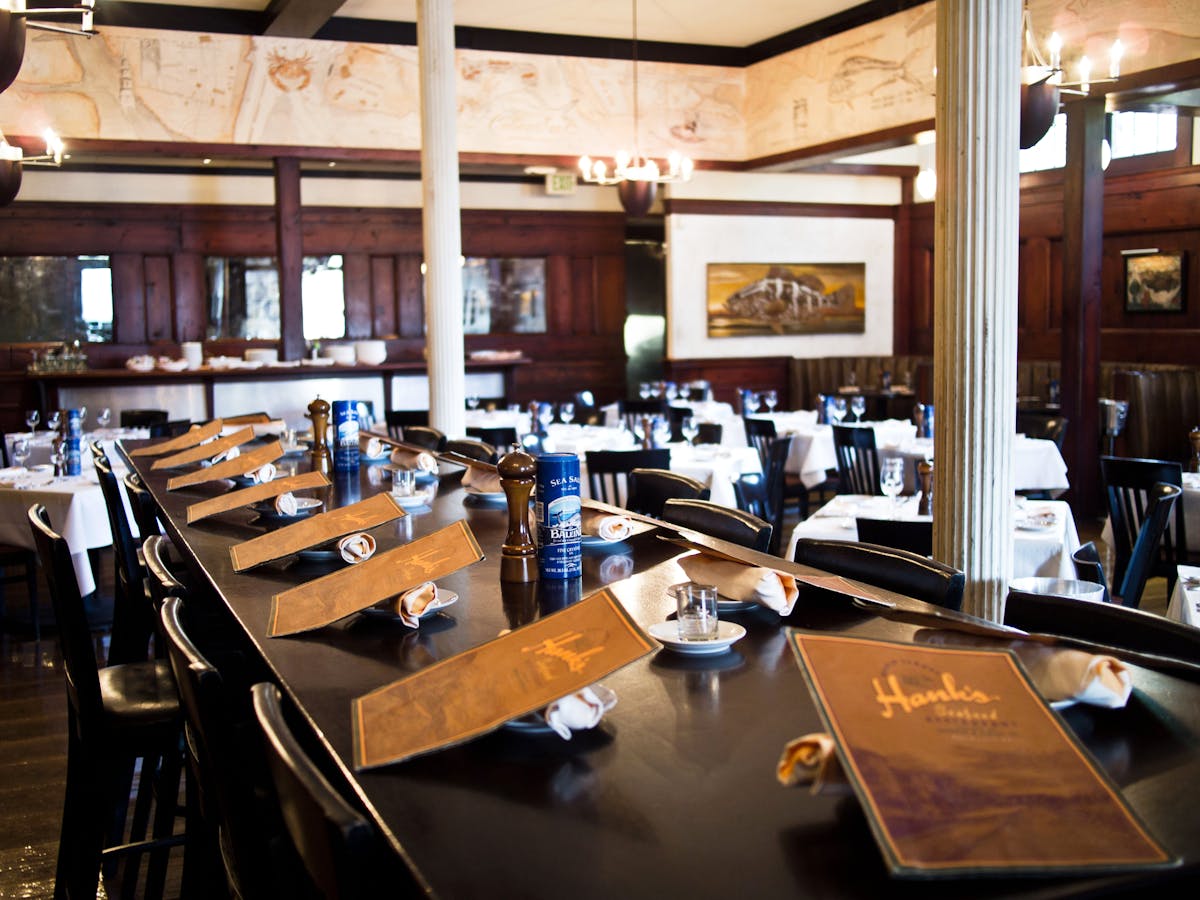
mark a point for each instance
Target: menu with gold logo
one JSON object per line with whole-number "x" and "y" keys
{"x": 476, "y": 691}
{"x": 961, "y": 766}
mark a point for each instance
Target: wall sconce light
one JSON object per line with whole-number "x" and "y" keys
{"x": 15, "y": 18}
{"x": 13, "y": 160}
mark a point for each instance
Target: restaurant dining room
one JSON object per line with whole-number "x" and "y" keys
{"x": 648, "y": 448}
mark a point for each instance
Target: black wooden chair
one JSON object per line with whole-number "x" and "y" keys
{"x": 399, "y": 419}
{"x": 913, "y": 536}
{"x": 500, "y": 437}
{"x": 473, "y": 449}
{"x": 676, "y": 415}
{"x": 759, "y": 434}
{"x": 1088, "y": 567}
{"x": 632, "y": 411}
{"x": 649, "y": 489}
{"x": 115, "y": 716}
{"x": 424, "y": 436}
{"x": 608, "y": 471}
{"x": 733, "y": 525}
{"x": 1127, "y": 487}
{"x": 1043, "y": 426}
{"x": 886, "y": 567}
{"x": 25, "y": 561}
{"x": 857, "y": 459}
{"x": 709, "y": 432}
{"x": 336, "y": 843}
{"x": 143, "y": 418}
{"x": 586, "y": 412}
{"x": 145, "y": 510}
{"x": 1145, "y": 557}
{"x": 171, "y": 428}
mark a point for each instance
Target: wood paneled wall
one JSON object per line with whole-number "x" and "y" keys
{"x": 158, "y": 255}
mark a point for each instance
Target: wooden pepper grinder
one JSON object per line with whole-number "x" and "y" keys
{"x": 318, "y": 412}
{"x": 925, "y": 477}
{"x": 1194, "y": 439}
{"x": 518, "y": 555}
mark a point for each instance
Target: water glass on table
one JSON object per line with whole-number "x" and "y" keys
{"x": 858, "y": 406}
{"x": 20, "y": 451}
{"x": 771, "y": 399}
{"x": 32, "y": 417}
{"x": 891, "y": 479}
{"x": 696, "y": 611}
{"x": 404, "y": 482}
{"x": 689, "y": 428}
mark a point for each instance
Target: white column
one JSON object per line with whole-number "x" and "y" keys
{"x": 975, "y": 301}
{"x": 440, "y": 216}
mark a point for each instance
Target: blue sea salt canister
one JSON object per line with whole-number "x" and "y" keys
{"x": 557, "y": 510}
{"x": 345, "y": 436}
{"x": 72, "y": 446}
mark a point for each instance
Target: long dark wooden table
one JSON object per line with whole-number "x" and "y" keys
{"x": 675, "y": 793}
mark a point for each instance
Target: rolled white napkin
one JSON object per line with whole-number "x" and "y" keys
{"x": 286, "y": 505}
{"x": 356, "y": 548}
{"x": 422, "y": 460}
{"x": 375, "y": 448}
{"x": 263, "y": 474}
{"x": 579, "y": 711}
{"x": 482, "y": 480}
{"x": 738, "y": 581}
{"x": 231, "y": 453}
{"x": 812, "y": 760}
{"x": 605, "y": 526}
{"x": 412, "y": 604}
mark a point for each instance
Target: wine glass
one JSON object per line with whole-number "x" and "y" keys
{"x": 660, "y": 431}
{"x": 685, "y": 391}
{"x": 644, "y": 390}
{"x": 752, "y": 401}
{"x": 671, "y": 390}
{"x": 689, "y": 427}
{"x": 54, "y": 420}
{"x": 837, "y": 410}
{"x": 566, "y": 412}
{"x": 104, "y": 417}
{"x": 771, "y": 399}
{"x": 82, "y": 417}
{"x": 32, "y": 417}
{"x": 472, "y": 402}
{"x": 891, "y": 479}
{"x": 545, "y": 414}
{"x": 858, "y": 406}
{"x": 20, "y": 451}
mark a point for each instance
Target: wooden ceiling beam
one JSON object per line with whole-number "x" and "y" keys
{"x": 300, "y": 18}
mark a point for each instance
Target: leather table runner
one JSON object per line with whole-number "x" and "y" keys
{"x": 337, "y": 595}
{"x": 474, "y": 692}
{"x": 205, "y": 451}
{"x": 961, "y": 767}
{"x": 248, "y": 419}
{"x": 314, "y": 531}
{"x": 190, "y": 438}
{"x": 254, "y": 493}
{"x": 229, "y": 468}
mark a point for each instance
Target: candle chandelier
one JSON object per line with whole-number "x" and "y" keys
{"x": 1042, "y": 80}
{"x": 636, "y": 176}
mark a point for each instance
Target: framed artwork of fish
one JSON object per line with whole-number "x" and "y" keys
{"x": 752, "y": 299}
{"x": 1154, "y": 281}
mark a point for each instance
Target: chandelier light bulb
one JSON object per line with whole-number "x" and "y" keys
{"x": 621, "y": 160}
{"x": 585, "y": 165}
{"x": 1114, "y": 59}
{"x": 926, "y": 184}
{"x": 1085, "y": 73}
{"x": 1055, "y": 45}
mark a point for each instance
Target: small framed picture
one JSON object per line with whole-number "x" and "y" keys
{"x": 1154, "y": 281}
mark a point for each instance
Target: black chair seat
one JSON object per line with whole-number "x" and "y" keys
{"x": 886, "y": 567}
{"x": 733, "y": 525}
{"x": 140, "y": 694}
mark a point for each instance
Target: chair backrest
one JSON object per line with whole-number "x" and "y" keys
{"x": 1088, "y": 567}
{"x": 399, "y": 419}
{"x": 160, "y": 579}
{"x": 759, "y": 434}
{"x": 709, "y": 432}
{"x": 74, "y": 632}
{"x": 857, "y": 459}
{"x": 733, "y": 525}
{"x": 424, "y": 436}
{"x": 1109, "y": 624}
{"x": 585, "y": 408}
{"x": 471, "y": 448}
{"x": 608, "y": 471}
{"x": 649, "y": 489}
{"x": 145, "y": 510}
{"x": 132, "y": 620}
{"x": 171, "y": 428}
{"x": 1127, "y": 484}
{"x": 676, "y": 415}
{"x": 142, "y": 418}
{"x": 1161, "y": 501}
{"x": 632, "y": 411}
{"x": 886, "y": 567}
{"x": 333, "y": 839}
{"x": 902, "y": 534}
{"x": 753, "y": 497}
{"x": 501, "y": 437}
{"x": 1044, "y": 426}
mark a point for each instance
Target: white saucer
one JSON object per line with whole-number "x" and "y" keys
{"x": 594, "y": 540}
{"x": 412, "y": 501}
{"x": 533, "y": 723}
{"x": 667, "y": 633}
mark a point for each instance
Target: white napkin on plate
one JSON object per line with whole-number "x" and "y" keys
{"x": 424, "y": 598}
{"x": 579, "y": 711}
{"x": 738, "y": 581}
{"x": 375, "y": 448}
{"x": 422, "y": 460}
{"x": 285, "y": 504}
{"x": 263, "y": 474}
{"x": 356, "y": 548}
{"x": 231, "y": 453}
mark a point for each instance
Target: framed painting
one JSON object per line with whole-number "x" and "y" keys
{"x": 752, "y": 299}
{"x": 1154, "y": 281}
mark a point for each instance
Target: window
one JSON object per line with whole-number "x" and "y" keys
{"x": 56, "y": 298}
{"x": 504, "y": 296}
{"x": 1129, "y": 134}
{"x": 324, "y": 298}
{"x": 243, "y": 297}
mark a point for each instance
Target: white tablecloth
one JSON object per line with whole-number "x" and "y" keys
{"x": 733, "y": 432}
{"x": 717, "y": 467}
{"x": 1185, "y": 600}
{"x": 498, "y": 418}
{"x": 812, "y": 454}
{"x": 1038, "y": 552}
{"x": 77, "y": 512}
{"x": 40, "y": 446}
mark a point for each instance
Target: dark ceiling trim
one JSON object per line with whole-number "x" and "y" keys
{"x": 300, "y": 18}
{"x": 224, "y": 21}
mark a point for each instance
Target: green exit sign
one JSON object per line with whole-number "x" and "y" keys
{"x": 560, "y": 183}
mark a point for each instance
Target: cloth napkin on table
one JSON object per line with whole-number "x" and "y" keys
{"x": 410, "y": 605}
{"x": 231, "y": 453}
{"x": 356, "y": 548}
{"x": 606, "y": 526}
{"x": 812, "y": 760}
{"x": 263, "y": 474}
{"x": 579, "y": 711}
{"x": 738, "y": 581}
{"x": 482, "y": 480}
{"x": 374, "y": 448}
{"x": 421, "y": 460}
{"x": 286, "y": 505}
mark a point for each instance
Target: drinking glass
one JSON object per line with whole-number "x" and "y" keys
{"x": 20, "y": 451}
{"x": 545, "y": 414}
{"x": 838, "y": 410}
{"x": 858, "y": 406}
{"x": 752, "y": 401}
{"x": 566, "y": 412}
{"x": 54, "y": 420}
{"x": 32, "y": 417}
{"x": 404, "y": 482}
{"x": 644, "y": 390}
{"x": 696, "y": 611}
{"x": 771, "y": 398}
{"x": 689, "y": 428}
{"x": 660, "y": 431}
{"x": 684, "y": 392}
{"x": 671, "y": 390}
{"x": 104, "y": 417}
{"x": 472, "y": 402}
{"x": 82, "y": 417}
{"x": 891, "y": 480}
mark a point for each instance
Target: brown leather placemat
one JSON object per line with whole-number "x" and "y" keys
{"x": 961, "y": 767}
{"x": 315, "y": 530}
{"x": 229, "y": 468}
{"x": 254, "y": 493}
{"x": 189, "y": 438}
{"x": 248, "y": 419}
{"x": 205, "y": 451}
{"x": 335, "y": 596}
{"x": 472, "y": 693}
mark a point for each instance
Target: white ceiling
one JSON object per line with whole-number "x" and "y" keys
{"x": 729, "y": 23}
